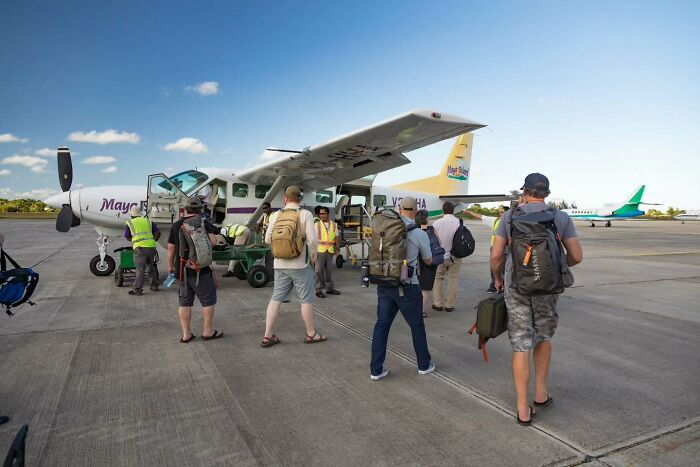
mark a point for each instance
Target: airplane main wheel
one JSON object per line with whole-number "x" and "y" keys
{"x": 239, "y": 272}
{"x": 608, "y": 224}
{"x": 258, "y": 276}
{"x": 102, "y": 268}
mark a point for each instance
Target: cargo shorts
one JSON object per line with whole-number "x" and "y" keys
{"x": 532, "y": 319}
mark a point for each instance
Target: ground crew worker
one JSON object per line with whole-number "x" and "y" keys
{"x": 328, "y": 249}
{"x": 492, "y": 222}
{"x": 143, "y": 234}
{"x": 240, "y": 234}
{"x": 264, "y": 220}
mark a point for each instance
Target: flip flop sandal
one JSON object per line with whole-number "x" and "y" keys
{"x": 545, "y": 403}
{"x": 525, "y": 422}
{"x": 313, "y": 340}
{"x": 216, "y": 335}
{"x": 270, "y": 341}
{"x": 185, "y": 341}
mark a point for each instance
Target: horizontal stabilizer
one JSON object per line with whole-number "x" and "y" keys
{"x": 470, "y": 199}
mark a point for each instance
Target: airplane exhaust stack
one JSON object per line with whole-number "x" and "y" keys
{"x": 66, "y": 219}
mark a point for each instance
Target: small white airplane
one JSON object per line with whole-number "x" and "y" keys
{"x": 688, "y": 216}
{"x": 620, "y": 212}
{"x": 331, "y": 174}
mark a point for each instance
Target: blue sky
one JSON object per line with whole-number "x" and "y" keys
{"x": 600, "y": 96}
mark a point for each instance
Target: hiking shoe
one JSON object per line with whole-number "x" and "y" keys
{"x": 428, "y": 370}
{"x": 228, "y": 274}
{"x": 380, "y": 376}
{"x": 437, "y": 308}
{"x": 332, "y": 292}
{"x": 135, "y": 292}
{"x": 491, "y": 289}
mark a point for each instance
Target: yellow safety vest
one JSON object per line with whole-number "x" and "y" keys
{"x": 326, "y": 237}
{"x": 495, "y": 227}
{"x": 141, "y": 232}
{"x": 235, "y": 230}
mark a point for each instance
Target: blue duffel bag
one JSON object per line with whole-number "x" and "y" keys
{"x": 16, "y": 285}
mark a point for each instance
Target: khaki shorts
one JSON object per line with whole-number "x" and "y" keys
{"x": 531, "y": 319}
{"x": 288, "y": 279}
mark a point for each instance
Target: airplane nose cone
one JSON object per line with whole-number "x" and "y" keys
{"x": 56, "y": 201}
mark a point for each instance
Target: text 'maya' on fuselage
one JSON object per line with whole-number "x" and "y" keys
{"x": 333, "y": 174}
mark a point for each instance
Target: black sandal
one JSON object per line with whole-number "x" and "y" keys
{"x": 185, "y": 341}
{"x": 216, "y": 335}
{"x": 525, "y": 422}
{"x": 545, "y": 403}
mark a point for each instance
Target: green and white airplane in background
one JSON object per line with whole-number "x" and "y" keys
{"x": 628, "y": 210}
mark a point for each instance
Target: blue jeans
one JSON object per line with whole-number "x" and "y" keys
{"x": 389, "y": 302}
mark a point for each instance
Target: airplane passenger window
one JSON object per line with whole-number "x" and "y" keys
{"x": 261, "y": 191}
{"x": 324, "y": 196}
{"x": 189, "y": 180}
{"x": 239, "y": 190}
{"x": 379, "y": 201}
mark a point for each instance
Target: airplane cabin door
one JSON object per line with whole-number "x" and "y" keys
{"x": 164, "y": 199}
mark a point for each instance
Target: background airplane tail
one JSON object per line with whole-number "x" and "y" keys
{"x": 632, "y": 204}
{"x": 454, "y": 176}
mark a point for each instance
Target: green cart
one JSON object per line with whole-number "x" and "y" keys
{"x": 254, "y": 263}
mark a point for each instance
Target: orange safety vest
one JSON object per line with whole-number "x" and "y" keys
{"x": 326, "y": 237}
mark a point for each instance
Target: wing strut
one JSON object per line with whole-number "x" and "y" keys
{"x": 271, "y": 193}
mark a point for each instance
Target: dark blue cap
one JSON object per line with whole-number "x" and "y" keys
{"x": 536, "y": 181}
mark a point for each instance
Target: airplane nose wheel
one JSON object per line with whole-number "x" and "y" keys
{"x": 102, "y": 268}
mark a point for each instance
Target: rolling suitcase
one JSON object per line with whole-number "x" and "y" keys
{"x": 491, "y": 320}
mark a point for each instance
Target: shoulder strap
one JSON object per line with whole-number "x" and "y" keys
{"x": 3, "y": 262}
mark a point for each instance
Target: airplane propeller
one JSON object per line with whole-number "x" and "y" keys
{"x": 66, "y": 219}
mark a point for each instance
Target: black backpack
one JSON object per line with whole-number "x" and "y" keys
{"x": 16, "y": 285}
{"x": 463, "y": 243}
{"x": 435, "y": 248}
{"x": 539, "y": 262}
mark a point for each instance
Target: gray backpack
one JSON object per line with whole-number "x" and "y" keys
{"x": 195, "y": 245}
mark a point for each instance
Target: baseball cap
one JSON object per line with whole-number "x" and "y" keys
{"x": 536, "y": 181}
{"x": 292, "y": 192}
{"x": 408, "y": 204}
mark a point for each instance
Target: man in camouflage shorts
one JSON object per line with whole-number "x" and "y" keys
{"x": 532, "y": 319}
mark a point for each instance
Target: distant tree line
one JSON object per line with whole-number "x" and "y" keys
{"x": 24, "y": 205}
{"x": 670, "y": 212}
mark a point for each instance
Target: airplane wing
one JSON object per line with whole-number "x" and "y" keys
{"x": 469, "y": 199}
{"x": 368, "y": 151}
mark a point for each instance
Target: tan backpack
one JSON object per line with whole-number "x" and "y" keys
{"x": 287, "y": 238}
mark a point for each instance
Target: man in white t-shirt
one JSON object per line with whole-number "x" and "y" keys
{"x": 446, "y": 228}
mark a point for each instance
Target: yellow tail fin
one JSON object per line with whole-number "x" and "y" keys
{"x": 454, "y": 176}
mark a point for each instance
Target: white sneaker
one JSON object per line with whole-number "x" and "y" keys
{"x": 380, "y": 376}
{"x": 427, "y": 371}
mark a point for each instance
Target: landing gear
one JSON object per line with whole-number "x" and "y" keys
{"x": 592, "y": 224}
{"x": 608, "y": 224}
{"x": 102, "y": 264}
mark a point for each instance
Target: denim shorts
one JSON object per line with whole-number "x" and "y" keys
{"x": 287, "y": 279}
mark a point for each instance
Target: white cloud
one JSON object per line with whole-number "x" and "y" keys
{"x": 36, "y": 164}
{"x": 104, "y": 137}
{"x": 191, "y": 145}
{"x": 109, "y": 170}
{"x": 169, "y": 171}
{"x": 41, "y": 193}
{"x": 46, "y": 152}
{"x": 94, "y": 160}
{"x": 5, "y": 172}
{"x": 207, "y": 88}
{"x": 10, "y": 138}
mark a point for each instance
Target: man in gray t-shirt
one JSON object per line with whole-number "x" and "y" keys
{"x": 406, "y": 298}
{"x": 532, "y": 319}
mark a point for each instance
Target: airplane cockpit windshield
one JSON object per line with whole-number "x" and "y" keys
{"x": 189, "y": 180}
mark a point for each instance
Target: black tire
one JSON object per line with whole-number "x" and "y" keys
{"x": 339, "y": 261}
{"x": 119, "y": 277}
{"x": 105, "y": 268}
{"x": 258, "y": 276}
{"x": 240, "y": 272}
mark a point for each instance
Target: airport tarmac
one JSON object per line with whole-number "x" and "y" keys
{"x": 101, "y": 378}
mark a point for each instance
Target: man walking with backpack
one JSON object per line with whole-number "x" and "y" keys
{"x": 401, "y": 293}
{"x": 189, "y": 245}
{"x": 536, "y": 271}
{"x": 446, "y": 228}
{"x": 294, "y": 247}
